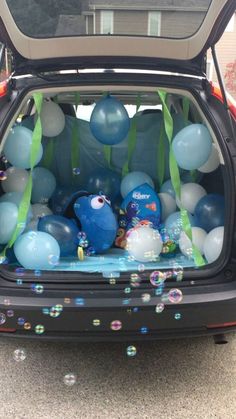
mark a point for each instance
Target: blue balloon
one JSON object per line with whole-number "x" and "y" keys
{"x": 15, "y": 198}
{"x": 105, "y": 181}
{"x": 17, "y": 148}
{"x": 192, "y": 146}
{"x": 61, "y": 198}
{"x": 37, "y": 250}
{"x": 133, "y": 180}
{"x": 8, "y": 221}
{"x": 173, "y": 225}
{"x": 65, "y": 232}
{"x": 44, "y": 184}
{"x": 109, "y": 122}
{"x": 210, "y": 212}
{"x": 167, "y": 187}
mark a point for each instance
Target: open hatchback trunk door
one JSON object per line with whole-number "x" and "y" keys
{"x": 155, "y": 34}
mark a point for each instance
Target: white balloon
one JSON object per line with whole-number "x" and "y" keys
{"x": 52, "y": 119}
{"x": 168, "y": 205}
{"x": 16, "y": 180}
{"x": 191, "y": 193}
{"x": 40, "y": 210}
{"x": 212, "y": 163}
{"x": 213, "y": 244}
{"x": 144, "y": 244}
{"x": 198, "y": 239}
{"x": 32, "y": 226}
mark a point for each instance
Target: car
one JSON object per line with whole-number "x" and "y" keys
{"x": 118, "y": 168}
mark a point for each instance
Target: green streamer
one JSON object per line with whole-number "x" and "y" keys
{"x": 132, "y": 139}
{"x": 107, "y": 154}
{"x": 186, "y": 108}
{"x": 160, "y": 155}
{"x": 35, "y": 147}
{"x": 175, "y": 178}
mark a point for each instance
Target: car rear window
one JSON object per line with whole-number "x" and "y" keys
{"x": 156, "y": 18}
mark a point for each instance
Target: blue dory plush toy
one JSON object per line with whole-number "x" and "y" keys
{"x": 95, "y": 218}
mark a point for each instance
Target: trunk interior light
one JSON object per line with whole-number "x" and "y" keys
{"x": 216, "y": 92}
{"x": 221, "y": 325}
{"x": 3, "y": 88}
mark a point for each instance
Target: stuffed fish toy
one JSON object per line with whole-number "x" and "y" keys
{"x": 95, "y": 218}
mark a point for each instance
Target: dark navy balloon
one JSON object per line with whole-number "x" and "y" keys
{"x": 210, "y": 212}
{"x": 104, "y": 181}
{"x": 65, "y": 231}
{"x": 60, "y": 199}
{"x": 97, "y": 221}
{"x": 109, "y": 121}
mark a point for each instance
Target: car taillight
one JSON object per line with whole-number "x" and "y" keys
{"x": 7, "y": 330}
{"x": 3, "y": 88}
{"x": 215, "y": 90}
{"x": 221, "y": 325}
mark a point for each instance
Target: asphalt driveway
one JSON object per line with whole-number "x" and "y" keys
{"x": 174, "y": 380}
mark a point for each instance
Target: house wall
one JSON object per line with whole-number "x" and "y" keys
{"x": 226, "y": 52}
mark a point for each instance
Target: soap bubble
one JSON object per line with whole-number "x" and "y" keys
{"x": 159, "y": 308}
{"x": 177, "y": 316}
{"x": 56, "y": 310}
{"x": 53, "y": 260}
{"x": 135, "y": 280}
{"x": 157, "y": 278}
{"x": 146, "y": 297}
{"x": 116, "y": 325}
{"x": 2, "y": 318}
{"x": 21, "y": 321}
{"x": 37, "y": 288}
{"x": 175, "y": 296}
{"x": 39, "y": 329}
{"x": 70, "y": 379}
{"x": 19, "y": 355}
{"x": 76, "y": 171}
{"x": 131, "y": 351}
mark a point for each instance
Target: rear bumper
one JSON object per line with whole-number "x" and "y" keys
{"x": 112, "y": 318}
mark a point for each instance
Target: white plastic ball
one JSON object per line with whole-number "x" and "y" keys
{"x": 52, "y": 119}
{"x": 40, "y": 210}
{"x": 213, "y": 244}
{"x": 198, "y": 239}
{"x": 212, "y": 163}
{"x": 144, "y": 244}
{"x": 134, "y": 180}
{"x": 16, "y": 180}
{"x": 168, "y": 205}
{"x": 191, "y": 193}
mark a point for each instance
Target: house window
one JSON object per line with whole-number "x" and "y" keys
{"x": 154, "y": 23}
{"x": 230, "y": 26}
{"x": 209, "y": 69}
{"x": 107, "y": 22}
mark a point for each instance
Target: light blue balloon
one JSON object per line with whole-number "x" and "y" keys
{"x": 15, "y": 198}
{"x": 134, "y": 180}
{"x": 37, "y": 250}
{"x": 173, "y": 225}
{"x": 17, "y": 148}
{"x": 109, "y": 122}
{"x": 192, "y": 146}
{"x": 8, "y": 221}
{"x": 44, "y": 184}
{"x": 167, "y": 187}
